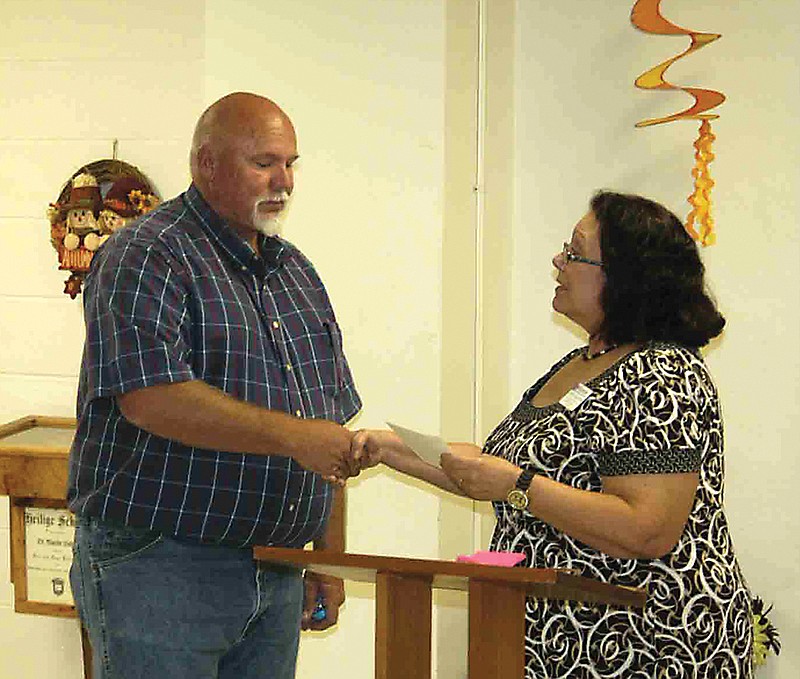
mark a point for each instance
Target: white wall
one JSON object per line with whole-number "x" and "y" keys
{"x": 576, "y": 108}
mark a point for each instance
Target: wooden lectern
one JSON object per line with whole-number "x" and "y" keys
{"x": 496, "y": 606}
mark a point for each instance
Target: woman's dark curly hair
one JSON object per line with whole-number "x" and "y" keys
{"x": 654, "y": 286}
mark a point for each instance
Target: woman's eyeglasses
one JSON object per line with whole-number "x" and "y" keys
{"x": 570, "y": 256}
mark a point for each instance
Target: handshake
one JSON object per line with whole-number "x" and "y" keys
{"x": 338, "y": 454}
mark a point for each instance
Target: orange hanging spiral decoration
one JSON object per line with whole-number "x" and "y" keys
{"x": 700, "y": 200}
{"x": 646, "y": 16}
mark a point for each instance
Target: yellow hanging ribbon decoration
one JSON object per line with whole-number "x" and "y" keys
{"x": 646, "y": 16}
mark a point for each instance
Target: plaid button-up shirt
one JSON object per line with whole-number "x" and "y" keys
{"x": 179, "y": 296}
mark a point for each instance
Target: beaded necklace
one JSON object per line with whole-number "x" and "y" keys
{"x": 588, "y": 357}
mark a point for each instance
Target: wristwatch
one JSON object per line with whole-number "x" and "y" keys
{"x": 518, "y": 496}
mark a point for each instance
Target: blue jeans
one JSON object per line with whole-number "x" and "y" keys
{"x": 155, "y": 607}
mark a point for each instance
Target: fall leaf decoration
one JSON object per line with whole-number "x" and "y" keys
{"x": 646, "y": 16}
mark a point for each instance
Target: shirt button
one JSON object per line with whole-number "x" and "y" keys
{"x": 275, "y": 324}
{"x": 291, "y": 508}
{"x": 288, "y": 367}
{"x": 298, "y": 413}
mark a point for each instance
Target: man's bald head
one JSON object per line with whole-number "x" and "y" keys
{"x": 235, "y": 116}
{"x": 243, "y": 150}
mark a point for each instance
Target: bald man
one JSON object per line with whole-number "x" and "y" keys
{"x": 212, "y": 398}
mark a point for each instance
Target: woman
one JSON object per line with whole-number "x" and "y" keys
{"x": 611, "y": 463}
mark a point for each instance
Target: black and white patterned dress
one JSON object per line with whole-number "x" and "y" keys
{"x": 655, "y": 411}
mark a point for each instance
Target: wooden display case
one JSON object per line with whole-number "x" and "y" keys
{"x": 34, "y": 452}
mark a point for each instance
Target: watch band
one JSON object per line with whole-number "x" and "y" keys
{"x": 525, "y": 478}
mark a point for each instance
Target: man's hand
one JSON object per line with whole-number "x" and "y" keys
{"x": 323, "y": 447}
{"x": 327, "y": 591}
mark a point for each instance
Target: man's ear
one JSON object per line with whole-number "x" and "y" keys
{"x": 206, "y": 163}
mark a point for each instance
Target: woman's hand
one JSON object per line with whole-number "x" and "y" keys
{"x": 469, "y": 450}
{"x": 370, "y": 447}
{"x": 481, "y": 477}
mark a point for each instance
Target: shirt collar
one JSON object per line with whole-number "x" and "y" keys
{"x": 273, "y": 248}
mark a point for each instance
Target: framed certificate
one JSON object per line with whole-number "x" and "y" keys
{"x": 42, "y": 533}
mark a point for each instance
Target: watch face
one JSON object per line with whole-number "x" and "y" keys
{"x": 518, "y": 499}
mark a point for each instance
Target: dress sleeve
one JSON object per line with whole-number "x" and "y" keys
{"x": 662, "y": 413}
{"x": 137, "y": 327}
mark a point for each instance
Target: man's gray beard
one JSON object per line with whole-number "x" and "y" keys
{"x": 269, "y": 227}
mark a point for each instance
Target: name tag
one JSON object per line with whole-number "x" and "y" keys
{"x": 575, "y": 396}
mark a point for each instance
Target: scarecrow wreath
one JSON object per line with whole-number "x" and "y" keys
{"x": 99, "y": 199}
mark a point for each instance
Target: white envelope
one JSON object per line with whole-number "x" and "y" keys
{"x": 428, "y": 447}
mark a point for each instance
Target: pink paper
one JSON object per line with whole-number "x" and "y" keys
{"x": 492, "y": 558}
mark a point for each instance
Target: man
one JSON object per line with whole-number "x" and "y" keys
{"x": 212, "y": 395}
